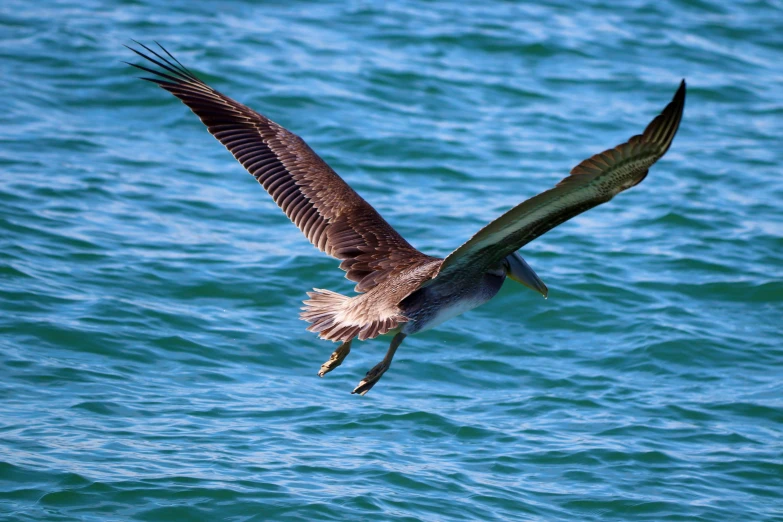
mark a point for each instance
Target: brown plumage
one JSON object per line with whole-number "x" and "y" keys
{"x": 402, "y": 291}
{"x": 326, "y": 209}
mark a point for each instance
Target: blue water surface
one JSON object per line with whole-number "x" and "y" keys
{"x": 152, "y": 363}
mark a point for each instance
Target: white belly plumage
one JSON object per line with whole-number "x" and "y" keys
{"x": 452, "y": 310}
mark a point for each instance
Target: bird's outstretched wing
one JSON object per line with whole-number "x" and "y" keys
{"x": 594, "y": 181}
{"x": 330, "y": 213}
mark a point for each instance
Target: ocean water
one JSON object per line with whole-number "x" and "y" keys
{"x": 152, "y": 363}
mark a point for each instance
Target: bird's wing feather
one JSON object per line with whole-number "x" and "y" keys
{"x": 594, "y": 181}
{"x": 326, "y": 209}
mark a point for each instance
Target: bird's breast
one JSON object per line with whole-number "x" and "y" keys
{"x": 450, "y": 310}
{"x": 436, "y": 304}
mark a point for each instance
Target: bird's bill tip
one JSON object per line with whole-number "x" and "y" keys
{"x": 518, "y": 270}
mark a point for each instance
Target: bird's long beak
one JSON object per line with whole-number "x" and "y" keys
{"x": 518, "y": 270}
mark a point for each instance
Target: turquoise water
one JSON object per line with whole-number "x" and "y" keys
{"x": 152, "y": 365}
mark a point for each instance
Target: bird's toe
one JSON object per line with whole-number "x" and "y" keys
{"x": 372, "y": 377}
{"x": 336, "y": 359}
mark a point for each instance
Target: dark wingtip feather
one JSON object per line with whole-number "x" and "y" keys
{"x": 175, "y": 71}
{"x": 181, "y": 67}
{"x": 663, "y": 128}
{"x": 679, "y": 96}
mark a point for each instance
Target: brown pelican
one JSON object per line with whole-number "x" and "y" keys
{"x": 401, "y": 290}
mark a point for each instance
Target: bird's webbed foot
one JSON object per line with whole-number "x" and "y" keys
{"x": 336, "y": 359}
{"x": 374, "y": 375}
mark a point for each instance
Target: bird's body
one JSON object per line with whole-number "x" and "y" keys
{"x": 401, "y": 291}
{"x": 442, "y": 300}
{"x": 421, "y": 301}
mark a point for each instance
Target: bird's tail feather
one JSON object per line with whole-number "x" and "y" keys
{"x": 323, "y": 310}
{"x": 336, "y": 317}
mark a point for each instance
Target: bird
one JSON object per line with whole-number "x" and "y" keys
{"x": 400, "y": 291}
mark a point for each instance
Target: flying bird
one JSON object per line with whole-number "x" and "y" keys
{"x": 401, "y": 291}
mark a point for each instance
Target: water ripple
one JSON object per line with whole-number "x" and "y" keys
{"x": 152, "y": 365}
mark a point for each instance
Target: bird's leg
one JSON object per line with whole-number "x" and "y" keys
{"x": 379, "y": 369}
{"x": 336, "y": 359}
